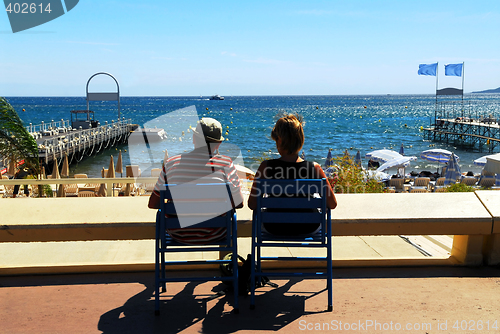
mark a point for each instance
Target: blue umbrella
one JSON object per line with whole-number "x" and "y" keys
{"x": 329, "y": 159}
{"x": 357, "y": 161}
{"x": 437, "y": 155}
{"x": 453, "y": 171}
{"x": 402, "y": 150}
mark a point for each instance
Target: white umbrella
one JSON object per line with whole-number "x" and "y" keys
{"x": 396, "y": 163}
{"x": 493, "y": 163}
{"x": 482, "y": 160}
{"x": 382, "y": 156}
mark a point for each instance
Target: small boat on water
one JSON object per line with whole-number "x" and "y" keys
{"x": 216, "y": 97}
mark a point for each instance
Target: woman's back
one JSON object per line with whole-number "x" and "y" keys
{"x": 280, "y": 169}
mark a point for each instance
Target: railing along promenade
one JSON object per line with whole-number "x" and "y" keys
{"x": 473, "y": 219}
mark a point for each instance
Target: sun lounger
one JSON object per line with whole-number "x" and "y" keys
{"x": 397, "y": 184}
{"x": 469, "y": 180}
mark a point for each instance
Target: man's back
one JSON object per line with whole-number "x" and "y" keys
{"x": 199, "y": 166}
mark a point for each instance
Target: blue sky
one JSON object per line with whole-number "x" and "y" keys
{"x": 192, "y": 48}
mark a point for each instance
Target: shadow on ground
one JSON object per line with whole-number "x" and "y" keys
{"x": 275, "y": 308}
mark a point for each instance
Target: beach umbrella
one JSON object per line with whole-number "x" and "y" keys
{"x": 357, "y": 160}
{"x": 110, "y": 175}
{"x": 452, "y": 171}
{"x": 55, "y": 170}
{"x": 12, "y": 167}
{"x": 382, "y": 156}
{"x": 102, "y": 188}
{"x": 43, "y": 176}
{"x": 111, "y": 169}
{"x": 119, "y": 164}
{"x": 65, "y": 166}
{"x": 329, "y": 159}
{"x": 329, "y": 172}
{"x": 438, "y": 155}
{"x": 244, "y": 172}
{"x": 396, "y": 163}
{"x": 493, "y": 163}
{"x": 482, "y": 160}
{"x": 55, "y": 175}
{"x": 402, "y": 150}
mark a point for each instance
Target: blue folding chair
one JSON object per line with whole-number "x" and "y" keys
{"x": 195, "y": 206}
{"x": 273, "y": 207}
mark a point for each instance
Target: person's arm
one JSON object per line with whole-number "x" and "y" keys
{"x": 331, "y": 201}
{"x": 154, "y": 201}
{"x": 252, "y": 199}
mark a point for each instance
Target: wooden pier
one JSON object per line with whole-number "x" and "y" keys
{"x": 456, "y": 124}
{"x": 55, "y": 139}
{"x": 469, "y": 133}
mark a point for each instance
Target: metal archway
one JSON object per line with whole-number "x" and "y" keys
{"x": 104, "y": 96}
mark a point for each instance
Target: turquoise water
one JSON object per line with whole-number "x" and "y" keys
{"x": 364, "y": 123}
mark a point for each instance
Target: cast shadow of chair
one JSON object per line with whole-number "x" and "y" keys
{"x": 192, "y": 306}
{"x": 182, "y": 310}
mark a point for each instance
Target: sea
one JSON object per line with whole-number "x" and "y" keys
{"x": 337, "y": 122}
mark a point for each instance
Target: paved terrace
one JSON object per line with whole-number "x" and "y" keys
{"x": 388, "y": 279}
{"x": 367, "y": 300}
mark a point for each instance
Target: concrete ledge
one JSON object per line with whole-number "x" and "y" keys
{"x": 471, "y": 217}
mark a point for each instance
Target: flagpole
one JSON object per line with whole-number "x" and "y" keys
{"x": 463, "y": 77}
{"x": 437, "y": 72}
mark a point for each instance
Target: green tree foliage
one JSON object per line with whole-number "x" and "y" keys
{"x": 350, "y": 178}
{"x": 458, "y": 188}
{"x": 15, "y": 141}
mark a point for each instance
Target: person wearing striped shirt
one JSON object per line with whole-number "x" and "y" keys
{"x": 202, "y": 164}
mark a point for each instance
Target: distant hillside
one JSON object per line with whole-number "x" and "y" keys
{"x": 489, "y": 91}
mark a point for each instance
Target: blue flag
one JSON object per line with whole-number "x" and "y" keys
{"x": 453, "y": 69}
{"x": 427, "y": 69}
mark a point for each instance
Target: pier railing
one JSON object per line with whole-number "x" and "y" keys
{"x": 83, "y": 141}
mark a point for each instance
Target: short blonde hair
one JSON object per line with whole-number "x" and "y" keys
{"x": 291, "y": 133}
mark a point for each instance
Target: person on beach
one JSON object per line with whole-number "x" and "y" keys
{"x": 201, "y": 163}
{"x": 22, "y": 173}
{"x": 288, "y": 134}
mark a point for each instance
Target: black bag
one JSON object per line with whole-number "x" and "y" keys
{"x": 244, "y": 272}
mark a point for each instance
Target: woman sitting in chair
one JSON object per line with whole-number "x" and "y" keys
{"x": 288, "y": 134}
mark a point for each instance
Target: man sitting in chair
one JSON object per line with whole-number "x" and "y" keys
{"x": 200, "y": 164}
